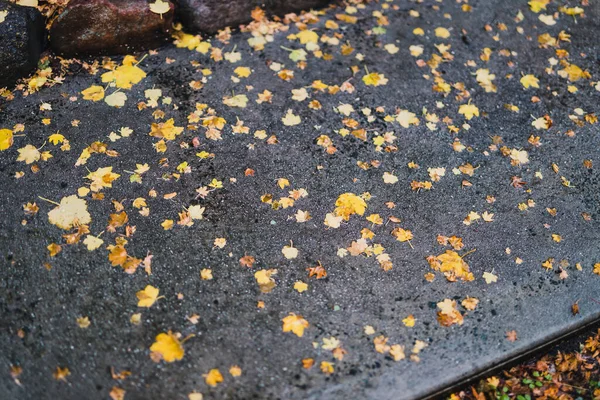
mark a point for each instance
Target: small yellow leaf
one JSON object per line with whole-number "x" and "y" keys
{"x": 56, "y": 138}
{"x": 92, "y": 242}
{"x": 300, "y": 286}
{"x": 147, "y": 297}
{"x": 442, "y": 33}
{"x": 6, "y": 139}
{"x": 295, "y": 323}
{"x": 117, "y": 99}
{"x": 374, "y": 79}
{"x": 290, "y": 119}
{"x": 530, "y": 81}
{"x": 469, "y": 111}
{"x": 489, "y": 277}
{"x": 160, "y": 7}
{"x": 213, "y": 378}
{"x": 94, "y": 93}
{"x": 168, "y": 346}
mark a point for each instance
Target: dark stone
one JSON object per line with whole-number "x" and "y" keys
{"x": 21, "y": 42}
{"x": 211, "y": 15}
{"x": 94, "y": 27}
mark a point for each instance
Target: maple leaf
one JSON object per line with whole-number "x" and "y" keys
{"x": 389, "y": 178}
{"x": 402, "y": 235}
{"x": 6, "y": 139}
{"x": 102, "y": 178}
{"x": 374, "y": 79}
{"x": 147, "y": 297}
{"x": 196, "y": 212}
{"x": 409, "y": 321}
{"x": 61, "y": 374}
{"x": 126, "y": 75}
{"x": 168, "y": 346}
{"x": 290, "y": 119}
{"x": 160, "y": 7}
{"x": 529, "y": 81}
{"x": 452, "y": 265}
{"x": 29, "y": 154}
{"x": 489, "y": 277}
{"x": 300, "y": 286}
{"x": 307, "y": 36}
{"x": 295, "y": 324}
{"x": 348, "y": 204}
{"x": 3, "y": 15}
{"x": 468, "y": 110}
{"x": 213, "y": 378}
{"x": 92, "y": 242}
{"x": 166, "y": 130}
{"x": 116, "y": 99}
{"x": 56, "y": 138}
{"x": 406, "y": 118}
{"x": 240, "y": 100}
{"x": 72, "y": 211}
{"x": 247, "y": 261}
{"x": 541, "y": 123}
{"x": 93, "y": 93}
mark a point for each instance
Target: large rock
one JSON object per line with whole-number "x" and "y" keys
{"x": 21, "y": 41}
{"x": 95, "y": 27}
{"x": 211, "y": 15}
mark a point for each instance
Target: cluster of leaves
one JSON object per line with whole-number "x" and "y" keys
{"x": 556, "y": 375}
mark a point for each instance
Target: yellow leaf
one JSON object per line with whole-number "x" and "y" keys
{"x": 56, "y": 138}
{"x": 290, "y": 119}
{"x": 240, "y": 100}
{"x": 538, "y": 5}
{"x": 295, "y": 323}
{"x": 160, "y": 7}
{"x": 348, "y": 204}
{"x": 72, "y": 211}
{"x": 242, "y": 72}
{"x": 374, "y": 79}
{"x": 92, "y": 242}
{"x": 409, "y": 321}
{"x": 442, "y": 33}
{"x": 406, "y": 118}
{"x": 147, "y": 297}
{"x": 530, "y": 81}
{"x": 126, "y": 75}
{"x": 166, "y": 130}
{"x": 29, "y": 154}
{"x": 117, "y": 99}
{"x": 489, "y": 277}
{"x": 468, "y": 110}
{"x": 94, "y": 93}
{"x": 196, "y": 212}
{"x": 3, "y": 15}
{"x": 102, "y": 178}
{"x": 185, "y": 40}
{"x": 263, "y": 276}
{"x": 389, "y": 178}
{"x": 168, "y": 346}
{"x": 300, "y": 286}
{"x": 290, "y": 252}
{"x": 326, "y": 367}
{"x": 307, "y": 36}
{"x": 6, "y": 139}
{"x": 213, "y": 378}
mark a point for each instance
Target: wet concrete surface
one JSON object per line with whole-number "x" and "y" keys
{"x": 39, "y": 307}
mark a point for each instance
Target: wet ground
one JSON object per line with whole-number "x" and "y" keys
{"x": 236, "y": 176}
